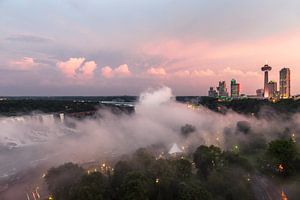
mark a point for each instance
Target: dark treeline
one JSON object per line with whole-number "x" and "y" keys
{"x": 26, "y": 105}
{"x": 10, "y": 106}
{"x": 207, "y": 173}
{"x": 74, "y": 98}
{"x": 21, "y": 107}
{"x": 245, "y": 106}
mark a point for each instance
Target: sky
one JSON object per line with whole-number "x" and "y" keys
{"x": 123, "y": 47}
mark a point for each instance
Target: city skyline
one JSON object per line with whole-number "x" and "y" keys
{"x": 125, "y": 47}
{"x": 269, "y": 89}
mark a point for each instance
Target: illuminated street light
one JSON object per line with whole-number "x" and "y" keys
{"x": 294, "y": 137}
{"x": 280, "y": 168}
{"x": 157, "y": 180}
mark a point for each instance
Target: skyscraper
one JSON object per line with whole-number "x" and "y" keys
{"x": 222, "y": 89}
{"x": 272, "y": 88}
{"x": 234, "y": 89}
{"x": 212, "y": 92}
{"x": 266, "y": 68}
{"x": 285, "y": 83}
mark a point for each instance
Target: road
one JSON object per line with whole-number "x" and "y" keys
{"x": 265, "y": 189}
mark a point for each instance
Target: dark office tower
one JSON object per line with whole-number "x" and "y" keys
{"x": 212, "y": 92}
{"x": 272, "y": 88}
{"x": 266, "y": 68}
{"x": 222, "y": 89}
{"x": 234, "y": 89}
{"x": 285, "y": 83}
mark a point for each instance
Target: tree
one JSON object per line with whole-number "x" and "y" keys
{"x": 183, "y": 168}
{"x": 60, "y": 180}
{"x": 192, "y": 191}
{"x": 235, "y": 160}
{"x": 253, "y": 143}
{"x": 163, "y": 176}
{"x": 143, "y": 158}
{"x": 162, "y": 168}
{"x": 229, "y": 183}
{"x": 135, "y": 187}
{"x": 187, "y": 129}
{"x": 283, "y": 154}
{"x": 122, "y": 168}
{"x": 92, "y": 186}
{"x": 243, "y": 126}
{"x": 206, "y": 158}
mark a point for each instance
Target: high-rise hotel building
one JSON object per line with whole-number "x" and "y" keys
{"x": 272, "y": 88}
{"x": 222, "y": 89}
{"x": 235, "y": 89}
{"x": 285, "y": 83}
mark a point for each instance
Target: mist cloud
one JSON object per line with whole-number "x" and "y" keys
{"x": 158, "y": 119}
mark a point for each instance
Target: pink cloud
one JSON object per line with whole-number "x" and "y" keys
{"x": 190, "y": 58}
{"x": 77, "y": 68}
{"x": 107, "y": 72}
{"x": 182, "y": 73}
{"x": 70, "y": 67}
{"x": 238, "y": 72}
{"x": 88, "y": 68}
{"x": 121, "y": 71}
{"x": 194, "y": 73}
{"x": 228, "y": 71}
{"x": 26, "y": 63}
{"x": 159, "y": 71}
{"x": 180, "y": 54}
{"x": 202, "y": 73}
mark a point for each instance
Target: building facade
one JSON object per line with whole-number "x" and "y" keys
{"x": 212, "y": 92}
{"x": 234, "y": 89}
{"x": 222, "y": 89}
{"x": 285, "y": 83}
{"x": 272, "y": 88}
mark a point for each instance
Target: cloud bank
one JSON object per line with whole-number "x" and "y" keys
{"x": 26, "y": 63}
{"x": 120, "y": 71}
{"x": 77, "y": 67}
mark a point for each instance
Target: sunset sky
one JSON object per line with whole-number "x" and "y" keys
{"x": 122, "y": 47}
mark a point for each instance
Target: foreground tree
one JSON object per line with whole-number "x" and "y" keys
{"x": 60, "y": 180}
{"x": 192, "y": 191}
{"x": 283, "y": 153}
{"x": 142, "y": 158}
{"x": 122, "y": 168}
{"x": 135, "y": 187}
{"x": 183, "y": 169}
{"x": 91, "y": 187}
{"x": 230, "y": 183}
{"x": 206, "y": 158}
